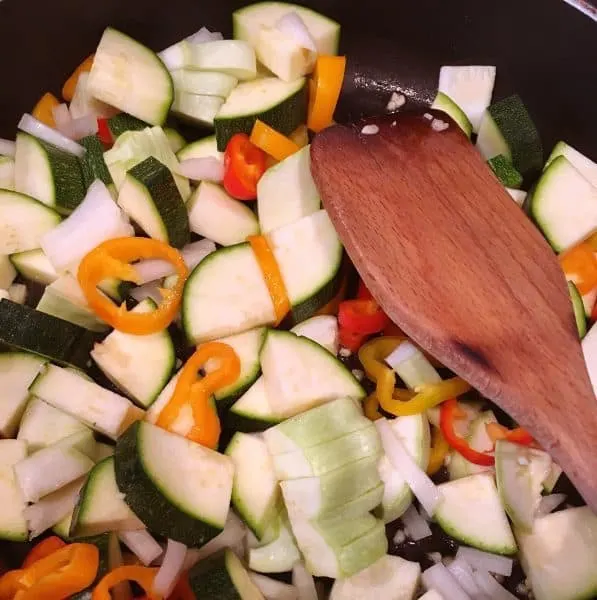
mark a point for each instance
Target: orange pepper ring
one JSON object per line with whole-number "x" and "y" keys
{"x": 144, "y": 576}
{"x": 112, "y": 258}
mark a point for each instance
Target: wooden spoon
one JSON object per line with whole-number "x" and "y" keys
{"x": 463, "y": 271}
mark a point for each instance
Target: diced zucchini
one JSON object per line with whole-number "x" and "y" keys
{"x": 519, "y": 196}
{"x": 578, "y": 308}
{"x": 98, "y": 408}
{"x": 133, "y": 147}
{"x": 470, "y": 511}
{"x": 470, "y": 88}
{"x": 299, "y": 374}
{"x": 122, "y": 122}
{"x": 280, "y": 104}
{"x": 564, "y": 205}
{"x": 140, "y": 365}
{"x": 24, "y": 222}
{"x": 252, "y": 411}
{"x": 588, "y": 301}
{"x": 447, "y": 105}
{"x": 202, "y": 148}
{"x": 17, "y": 371}
{"x": 13, "y": 525}
{"x": 203, "y": 83}
{"x": 83, "y": 103}
{"x": 248, "y": 21}
{"x": 390, "y": 578}
{"x": 413, "y": 433}
{"x": 34, "y": 266}
{"x": 589, "y": 347}
{"x": 579, "y": 161}
{"x": 231, "y": 57}
{"x": 507, "y": 128}
{"x": 93, "y": 165}
{"x": 23, "y": 328}
{"x": 255, "y": 492}
{"x": 218, "y": 217}
{"x": 177, "y": 142}
{"x": 200, "y": 110}
{"x": 131, "y": 77}
{"x": 149, "y": 196}
{"x": 48, "y": 174}
{"x": 7, "y": 173}
{"x": 286, "y": 193}
{"x": 7, "y": 272}
{"x": 559, "y": 556}
{"x": 322, "y": 329}
{"x": 223, "y": 575}
{"x": 180, "y": 490}
{"x": 43, "y": 425}
{"x": 504, "y": 170}
{"x": 101, "y": 507}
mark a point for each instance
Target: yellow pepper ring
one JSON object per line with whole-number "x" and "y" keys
{"x": 439, "y": 451}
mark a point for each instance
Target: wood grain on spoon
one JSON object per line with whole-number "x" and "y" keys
{"x": 457, "y": 264}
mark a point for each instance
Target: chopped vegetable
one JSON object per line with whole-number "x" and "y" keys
{"x": 42, "y": 549}
{"x": 327, "y": 84}
{"x": 68, "y": 89}
{"x": 44, "y": 109}
{"x": 439, "y": 451}
{"x": 144, "y": 576}
{"x": 112, "y": 259}
{"x": 104, "y": 133}
{"x": 580, "y": 266}
{"x": 244, "y": 164}
{"x": 272, "y": 142}
{"x": 516, "y": 436}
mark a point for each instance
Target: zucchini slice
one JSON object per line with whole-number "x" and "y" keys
{"x": 205, "y": 147}
{"x": 93, "y": 165}
{"x": 578, "y": 308}
{"x": 504, "y": 170}
{"x": 578, "y": 160}
{"x": 13, "y": 525}
{"x": 122, "y": 122}
{"x": 178, "y": 488}
{"x": 252, "y": 411}
{"x": 232, "y": 57}
{"x": 447, "y": 105}
{"x": 197, "y": 109}
{"x": 203, "y": 83}
{"x": 280, "y": 104}
{"x": 131, "y": 77}
{"x": 7, "y": 173}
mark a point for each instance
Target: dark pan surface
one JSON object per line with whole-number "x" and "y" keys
{"x": 544, "y": 50}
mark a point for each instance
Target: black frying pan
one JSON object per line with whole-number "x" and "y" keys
{"x": 544, "y": 50}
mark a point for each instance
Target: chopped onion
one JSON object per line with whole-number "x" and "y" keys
{"x": 547, "y": 504}
{"x": 463, "y": 573}
{"x": 439, "y": 578}
{"x": 294, "y": 27}
{"x": 491, "y": 587}
{"x": 7, "y": 147}
{"x": 97, "y": 219}
{"x": 149, "y": 290}
{"x": 84, "y": 104}
{"x": 171, "y": 568}
{"x": 36, "y": 128}
{"x": 426, "y": 492}
{"x": 208, "y": 168}
{"x": 233, "y": 534}
{"x": 51, "y": 509}
{"x": 193, "y": 254}
{"x": 205, "y": 35}
{"x": 485, "y": 561}
{"x": 62, "y": 118}
{"x": 415, "y": 525}
{"x": 273, "y": 589}
{"x": 142, "y": 544}
{"x": 74, "y": 129}
{"x": 304, "y": 582}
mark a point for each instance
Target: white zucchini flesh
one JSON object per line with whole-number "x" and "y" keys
{"x": 589, "y": 348}
{"x": 203, "y": 83}
{"x": 390, "y": 578}
{"x": 7, "y": 272}
{"x": 17, "y": 371}
{"x": 140, "y": 365}
{"x": 271, "y": 588}
{"x": 13, "y": 525}
{"x": 447, "y": 105}
{"x": 196, "y": 108}
{"x": 470, "y": 510}
{"x": 519, "y": 196}
{"x": 233, "y": 57}
{"x": 98, "y": 408}
{"x": 564, "y": 204}
{"x": 255, "y": 490}
{"x": 300, "y": 374}
{"x": 83, "y": 103}
{"x": 578, "y": 160}
{"x": 203, "y": 148}
{"x": 286, "y": 193}
{"x": 559, "y": 556}
{"x": 470, "y": 87}
{"x": 49, "y": 469}
{"x": 278, "y": 556}
{"x": 7, "y": 173}
{"x": 43, "y": 425}
{"x": 413, "y": 432}
{"x": 218, "y": 217}
{"x": 322, "y": 329}
{"x": 83, "y": 441}
{"x": 35, "y": 266}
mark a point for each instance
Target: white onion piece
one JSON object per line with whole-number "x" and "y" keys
{"x": 415, "y": 525}
{"x": 84, "y": 104}
{"x": 18, "y": 293}
{"x": 463, "y": 573}
{"x": 426, "y": 492}
{"x": 37, "y": 129}
{"x": 171, "y": 568}
{"x": 439, "y": 578}
{"x": 234, "y": 532}
{"x": 548, "y": 504}
{"x": 304, "y": 582}
{"x": 142, "y": 544}
{"x": 273, "y": 589}
{"x": 97, "y": 219}
{"x": 491, "y": 587}
{"x": 193, "y": 254}
{"x": 205, "y": 35}
{"x": 208, "y": 168}
{"x": 52, "y": 508}
{"x": 485, "y": 561}
{"x": 294, "y": 27}
{"x": 7, "y": 147}
{"x": 148, "y": 290}
{"x": 83, "y": 126}
{"x": 63, "y": 119}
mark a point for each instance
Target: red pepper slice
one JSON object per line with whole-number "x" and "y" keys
{"x": 362, "y": 316}
{"x": 351, "y": 339}
{"x": 104, "y": 133}
{"x": 449, "y": 412}
{"x": 363, "y": 292}
{"x": 517, "y": 436}
{"x": 244, "y": 164}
